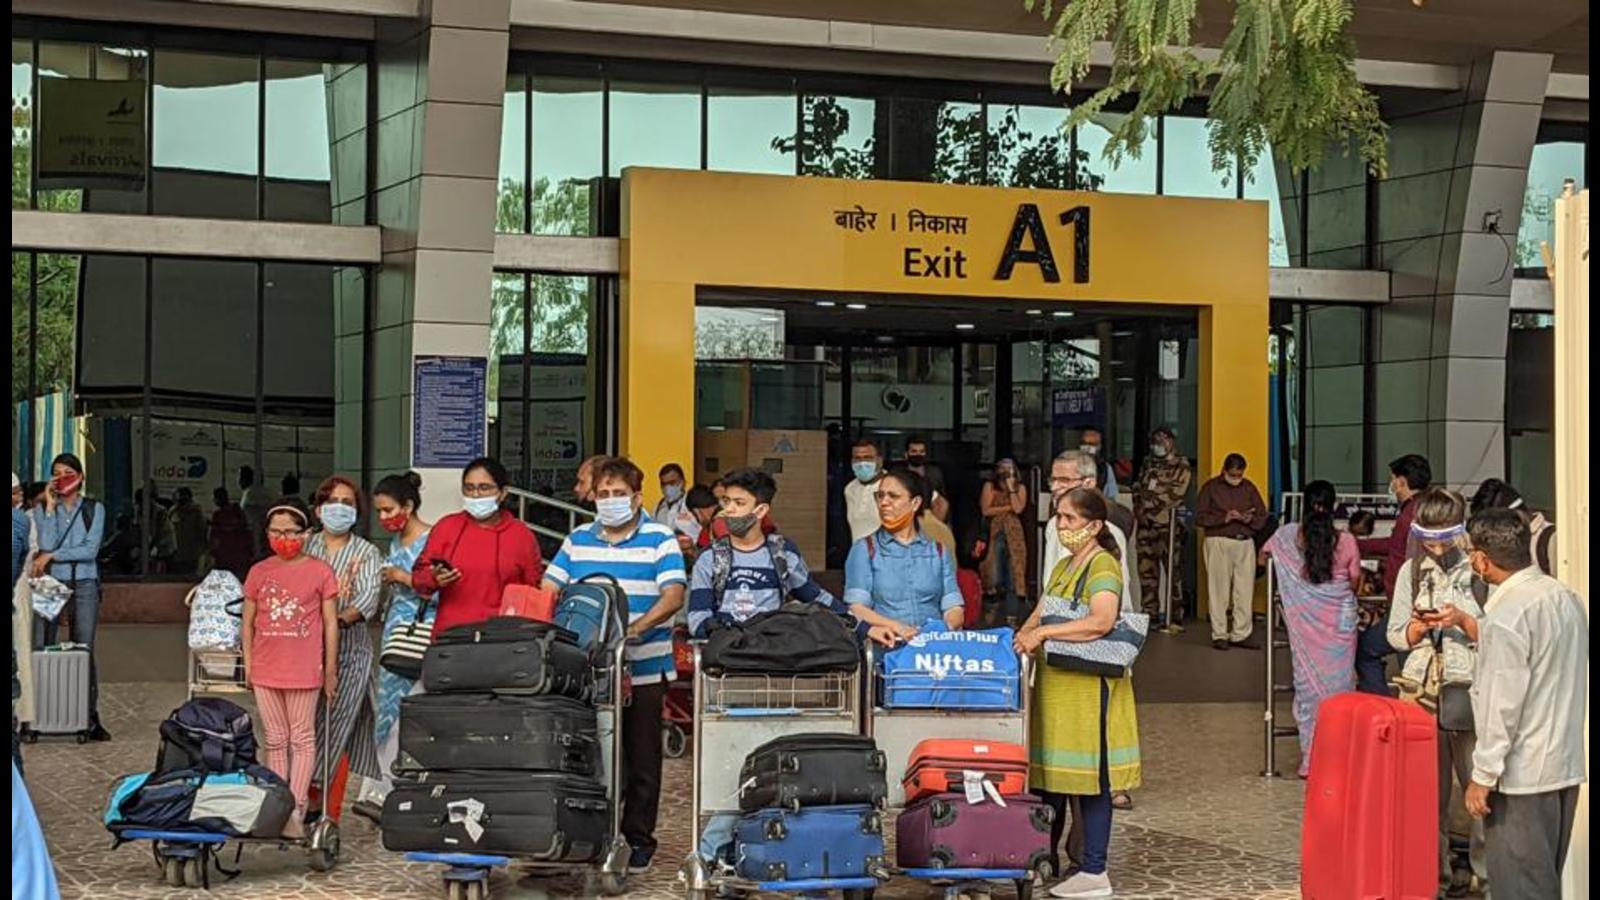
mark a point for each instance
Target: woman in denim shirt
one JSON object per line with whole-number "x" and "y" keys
{"x": 899, "y": 578}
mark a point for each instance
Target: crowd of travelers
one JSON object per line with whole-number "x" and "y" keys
{"x": 1488, "y": 637}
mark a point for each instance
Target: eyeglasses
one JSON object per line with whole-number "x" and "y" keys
{"x": 285, "y": 533}
{"x": 480, "y": 490}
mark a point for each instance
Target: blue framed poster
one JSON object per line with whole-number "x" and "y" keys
{"x": 449, "y": 415}
{"x": 1078, "y": 407}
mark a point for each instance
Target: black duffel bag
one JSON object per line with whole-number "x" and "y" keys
{"x": 796, "y": 639}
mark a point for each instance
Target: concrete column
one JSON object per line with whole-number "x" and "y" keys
{"x": 1446, "y": 227}
{"x": 441, "y": 84}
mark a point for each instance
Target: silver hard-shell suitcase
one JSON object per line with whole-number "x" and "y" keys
{"x": 61, "y": 692}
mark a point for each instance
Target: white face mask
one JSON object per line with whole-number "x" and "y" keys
{"x": 614, "y": 512}
{"x": 1091, "y": 449}
{"x": 480, "y": 508}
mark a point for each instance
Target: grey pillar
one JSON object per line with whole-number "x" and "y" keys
{"x": 441, "y": 85}
{"x": 1447, "y": 228}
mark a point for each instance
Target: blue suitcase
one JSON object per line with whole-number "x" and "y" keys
{"x": 816, "y": 842}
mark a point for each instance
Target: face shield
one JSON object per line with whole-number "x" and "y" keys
{"x": 1446, "y": 546}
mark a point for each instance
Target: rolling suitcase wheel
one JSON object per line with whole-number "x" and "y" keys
{"x": 674, "y": 741}
{"x": 194, "y": 872}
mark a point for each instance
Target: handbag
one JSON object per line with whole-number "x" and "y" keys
{"x": 1109, "y": 655}
{"x": 404, "y": 648}
{"x": 1450, "y": 703}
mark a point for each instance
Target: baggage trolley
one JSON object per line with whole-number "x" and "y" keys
{"x": 735, "y": 714}
{"x": 959, "y": 883}
{"x": 466, "y": 875}
{"x": 186, "y": 858}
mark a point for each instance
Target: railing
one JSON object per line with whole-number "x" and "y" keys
{"x": 526, "y": 500}
{"x": 1289, "y": 510}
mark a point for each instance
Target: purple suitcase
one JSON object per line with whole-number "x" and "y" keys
{"x": 944, "y": 831}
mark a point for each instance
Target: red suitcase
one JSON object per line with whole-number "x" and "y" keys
{"x": 946, "y": 832}
{"x": 939, "y": 765}
{"x": 1371, "y": 824}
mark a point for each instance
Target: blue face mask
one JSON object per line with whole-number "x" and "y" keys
{"x": 672, "y": 492}
{"x": 614, "y": 512}
{"x": 336, "y": 518}
{"x": 865, "y": 471}
{"x": 480, "y": 508}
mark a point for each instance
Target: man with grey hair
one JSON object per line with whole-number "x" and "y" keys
{"x": 1528, "y": 705}
{"x": 1078, "y": 469}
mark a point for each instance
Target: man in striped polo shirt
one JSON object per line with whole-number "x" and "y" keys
{"x": 643, "y": 556}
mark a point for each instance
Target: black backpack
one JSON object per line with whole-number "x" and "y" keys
{"x": 795, "y": 639}
{"x": 207, "y": 734}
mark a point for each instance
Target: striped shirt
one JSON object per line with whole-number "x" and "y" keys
{"x": 644, "y": 563}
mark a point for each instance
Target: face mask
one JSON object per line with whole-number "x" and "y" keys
{"x": 1091, "y": 449}
{"x": 394, "y": 524}
{"x": 1393, "y": 497}
{"x": 286, "y": 548}
{"x": 739, "y": 526}
{"x": 916, "y": 460}
{"x": 864, "y": 471}
{"x": 899, "y": 522}
{"x": 1159, "y": 451}
{"x": 1233, "y": 482}
{"x": 67, "y": 485}
{"x": 480, "y": 508}
{"x": 614, "y": 512}
{"x": 673, "y": 492}
{"x": 336, "y": 518}
{"x": 1075, "y": 538}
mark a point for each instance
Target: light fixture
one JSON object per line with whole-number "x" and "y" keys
{"x": 965, "y": 326}
{"x": 1122, "y": 334}
{"x": 1124, "y": 379}
{"x": 1062, "y": 314}
{"x": 884, "y": 338}
{"x": 855, "y": 306}
{"x": 826, "y": 303}
{"x": 1035, "y": 312}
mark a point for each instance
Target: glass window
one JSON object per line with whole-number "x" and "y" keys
{"x": 1028, "y": 148}
{"x": 206, "y": 135}
{"x": 1261, "y": 183}
{"x": 1552, "y": 164}
{"x": 299, "y": 155}
{"x": 512, "y": 204}
{"x": 747, "y": 130}
{"x": 837, "y": 136}
{"x": 21, "y": 127}
{"x": 507, "y": 349}
{"x": 97, "y": 63}
{"x": 566, "y": 148}
{"x": 1186, "y": 163}
{"x": 21, "y": 356}
{"x": 1130, "y": 175}
{"x": 654, "y": 125}
{"x": 203, "y": 329}
{"x": 939, "y": 141}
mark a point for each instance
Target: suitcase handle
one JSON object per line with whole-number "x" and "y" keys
{"x": 590, "y": 805}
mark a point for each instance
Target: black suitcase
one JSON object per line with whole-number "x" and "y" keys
{"x": 508, "y": 654}
{"x": 541, "y": 816}
{"x": 813, "y": 770}
{"x": 498, "y": 731}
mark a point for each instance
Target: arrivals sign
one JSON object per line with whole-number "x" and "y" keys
{"x": 91, "y": 134}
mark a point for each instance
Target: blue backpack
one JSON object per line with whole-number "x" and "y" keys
{"x": 953, "y": 670}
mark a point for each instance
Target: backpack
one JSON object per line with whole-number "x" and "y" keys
{"x": 722, "y": 565}
{"x": 252, "y": 802}
{"x": 216, "y": 608}
{"x": 208, "y": 734}
{"x": 872, "y": 547}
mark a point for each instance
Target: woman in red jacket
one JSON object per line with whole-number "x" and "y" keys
{"x": 472, "y": 555}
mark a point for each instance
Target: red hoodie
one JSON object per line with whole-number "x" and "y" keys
{"x": 489, "y": 557}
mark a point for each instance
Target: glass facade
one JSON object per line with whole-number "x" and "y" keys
{"x": 169, "y": 377}
{"x": 1562, "y": 154}
{"x": 572, "y": 125}
{"x": 216, "y": 126}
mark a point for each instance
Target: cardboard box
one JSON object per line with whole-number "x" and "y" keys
{"x": 797, "y": 462}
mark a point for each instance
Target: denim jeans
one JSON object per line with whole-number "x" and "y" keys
{"x": 85, "y": 606}
{"x": 1372, "y": 652}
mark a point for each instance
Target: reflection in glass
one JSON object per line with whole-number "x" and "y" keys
{"x": 298, "y": 152}
{"x": 746, "y": 129}
{"x": 21, "y": 124}
{"x": 64, "y": 60}
{"x": 1130, "y": 175}
{"x": 566, "y": 149}
{"x": 203, "y": 326}
{"x": 1548, "y": 170}
{"x": 205, "y": 135}
{"x": 1028, "y": 147}
{"x": 1187, "y": 159}
{"x": 511, "y": 207}
{"x": 837, "y": 137}
{"x": 297, "y": 358}
{"x": 1261, "y": 183}
{"x": 21, "y": 340}
{"x": 654, "y": 125}
{"x": 937, "y": 141}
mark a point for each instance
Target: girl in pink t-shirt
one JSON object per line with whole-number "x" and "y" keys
{"x": 291, "y": 643}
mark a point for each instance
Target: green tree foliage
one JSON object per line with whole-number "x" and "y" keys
{"x": 1284, "y": 78}
{"x": 56, "y": 280}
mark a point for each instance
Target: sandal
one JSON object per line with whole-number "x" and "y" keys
{"x": 1121, "y": 800}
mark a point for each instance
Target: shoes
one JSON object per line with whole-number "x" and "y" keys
{"x": 1121, "y": 800}
{"x": 99, "y": 733}
{"x": 639, "y": 860}
{"x": 1219, "y": 644}
{"x": 367, "y": 810}
{"x": 295, "y": 828}
{"x": 1083, "y": 886}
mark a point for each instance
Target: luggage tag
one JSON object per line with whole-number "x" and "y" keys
{"x": 467, "y": 813}
{"x": 977, "y": 787}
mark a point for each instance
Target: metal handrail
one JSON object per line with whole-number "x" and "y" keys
{"x": 526, "y": 498}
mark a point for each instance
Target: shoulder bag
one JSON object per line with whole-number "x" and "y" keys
{"x": 1110, "y": 655}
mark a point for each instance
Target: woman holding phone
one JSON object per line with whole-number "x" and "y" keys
{"x": 473, "y": 555}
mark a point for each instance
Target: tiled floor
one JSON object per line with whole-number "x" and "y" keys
{"x": 1206, "y": 825}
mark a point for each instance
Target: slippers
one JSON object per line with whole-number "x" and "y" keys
{"x": 1121, "y": 800}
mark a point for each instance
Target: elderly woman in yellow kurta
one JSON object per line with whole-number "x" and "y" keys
{"x": 1085, "y": 740}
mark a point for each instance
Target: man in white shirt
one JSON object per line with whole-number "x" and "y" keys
{"x": 860, "y": 500}
{"x": 1079, "y": 469}
{"x": 1528, "y": 703}
{"x": 673, "y": 510}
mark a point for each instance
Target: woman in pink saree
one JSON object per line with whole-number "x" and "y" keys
{"x": 1317, "y": 568}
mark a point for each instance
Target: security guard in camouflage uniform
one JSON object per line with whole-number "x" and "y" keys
{"x": 1157, "y": 493}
